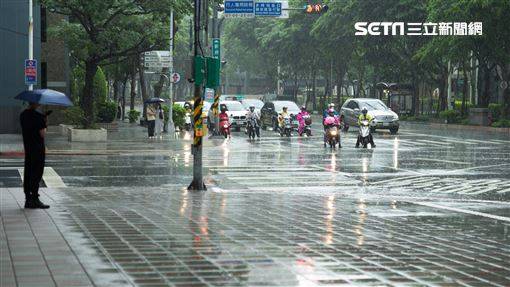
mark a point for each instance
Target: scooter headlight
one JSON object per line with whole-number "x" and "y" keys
{"x": 333, "y": 133}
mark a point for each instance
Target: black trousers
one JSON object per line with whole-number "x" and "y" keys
{"x": 32, "y": 175}
{"x": 151, "y": 125}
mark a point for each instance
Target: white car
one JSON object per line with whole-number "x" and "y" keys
{"x": 258, "y": 104}
{"x": 236, "y": 112}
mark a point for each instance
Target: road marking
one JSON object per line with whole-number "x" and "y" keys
{"x": 460, "y": 210}
{"x": 441, "y": 160}
{"x": 50, "y": 177}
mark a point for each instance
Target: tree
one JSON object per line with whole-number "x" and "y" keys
{"x": 101, "y": 32}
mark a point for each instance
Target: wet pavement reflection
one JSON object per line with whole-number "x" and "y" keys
{"x": 422, "y": 209}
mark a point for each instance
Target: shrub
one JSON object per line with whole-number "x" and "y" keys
{"x": 166, "y": 113}
{"x": 178, "y": 116}
{"x": 133, "y": 116}
{"x": 503, "y": 123}
{"x": 106, "y": 112}
{"x": 74, "y": 116}
{"x": 496, "y": 111}
{"x": 458, "y": 105}
{"x": 451, "y": 116}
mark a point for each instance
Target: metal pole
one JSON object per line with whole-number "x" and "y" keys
{"x": 198, "y": 182}
{"x": 171, "y": 127}
{"x": 30, "y": 34}
{"x": 217, "y": 90}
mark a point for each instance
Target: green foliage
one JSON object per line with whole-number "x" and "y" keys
{"x": 166, "y": 113}
{"x": 100, "y": 88}
{"x": 74, "y": 116}
{"x": 458, "y": 105}
{"x": 178, "y": 116}
{"x": 503, "y": 123}
{"x": 451, "y": 116}
{"x": 133, "y": 116}
{"x": 106, "y": 112}
{"x": 496, "y": 111}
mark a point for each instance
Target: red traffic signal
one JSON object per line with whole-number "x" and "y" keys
{"x": 316, "y": 8}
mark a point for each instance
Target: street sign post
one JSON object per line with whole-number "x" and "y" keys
{"x": 216, "y": 52}
{"x": 239, "y": 8}
{"x": 157, "y": 59}
{"x": 271, "y": 9}
{"x": 30, "y": 72}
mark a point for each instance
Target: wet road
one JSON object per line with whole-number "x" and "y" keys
{"x": 425, "y": 208}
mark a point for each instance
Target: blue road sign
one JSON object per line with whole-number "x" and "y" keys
{"x": 30, "y": 72}
{"x": 239, "y": 8}
{"x": 272, "y": 9}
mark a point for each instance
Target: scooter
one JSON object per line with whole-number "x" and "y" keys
{"x": 187, "y": 121}
{"x": 251, "y": 128}
{"x": 224, "y": 126}
{"x": 364, "y": 133}
{"x": 333, "y": 136}
{"x": 286, "y": 129}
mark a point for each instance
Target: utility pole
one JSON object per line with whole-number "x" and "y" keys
{"x": 30, "y": 34}
{"x": 198, "y": 181}
{"x": 171, "y": 127}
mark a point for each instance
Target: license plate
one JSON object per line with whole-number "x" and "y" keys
{"x": 386, "y": 124}
{"x": 295, "y": 122}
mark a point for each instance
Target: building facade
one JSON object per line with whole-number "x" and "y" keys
{"x": 13, "y": 52}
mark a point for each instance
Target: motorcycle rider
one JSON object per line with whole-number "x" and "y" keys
{"x": 188, "y": 115}
{"x": 281, "y": 117}
{"x": 331, "y": 119}
{"x": 223, "y": 116}
{"x": 365, "y": 116}
{"x": 300, "y": 117}
{"x": 254, "y": 115}
{"x": 326, "y": 111}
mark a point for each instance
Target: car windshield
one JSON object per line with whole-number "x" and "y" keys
{"x": 374, "y": 106}
{"x": 257, "y": 103}
{"x": 291, "y": 106}
{"x": 234, "y": 106}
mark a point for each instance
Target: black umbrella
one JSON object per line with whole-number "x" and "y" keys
{"x": 154, "y": 101}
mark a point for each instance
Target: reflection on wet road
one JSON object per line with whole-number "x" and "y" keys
{"x": 422, "y": 209}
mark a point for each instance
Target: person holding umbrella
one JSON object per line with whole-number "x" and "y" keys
{"x": 151, "y": 114}
{"x": 33, "y": 127}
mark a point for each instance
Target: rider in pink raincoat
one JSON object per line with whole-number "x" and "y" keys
{"x": 301, "y": 119}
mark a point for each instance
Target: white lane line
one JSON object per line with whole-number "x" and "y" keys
{"x": 441, "y": 160}
{"x": 460, "y": 210}
{"x": 50, "y": 177}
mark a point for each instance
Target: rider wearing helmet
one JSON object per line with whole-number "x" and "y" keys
{"x": 301, "y": 119}
{"x": 254, "y": 115}
{"x": 365, "y": 116}
{"x": 331, "y": 120}
{"x": 326, "y": 111}
{"x": 281, "y": 116}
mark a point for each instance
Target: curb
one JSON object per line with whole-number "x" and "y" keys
{"x": 461, "y": 127}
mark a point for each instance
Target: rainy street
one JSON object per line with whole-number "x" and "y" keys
{"x": 425, "y": 208}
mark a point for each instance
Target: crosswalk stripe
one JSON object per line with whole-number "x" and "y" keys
{"x": 50, "y": 177}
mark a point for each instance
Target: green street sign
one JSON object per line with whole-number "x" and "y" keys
{"x": 216, "y": 53}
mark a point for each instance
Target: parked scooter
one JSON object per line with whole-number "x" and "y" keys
{"x": 364, "y": 133}
{"x": 286, "y": 128}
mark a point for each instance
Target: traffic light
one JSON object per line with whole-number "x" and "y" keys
{"x": 315, "y": 8}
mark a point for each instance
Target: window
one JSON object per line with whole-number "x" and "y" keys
{"x": 44, "y": 75}
{"x": 43, "y": 24}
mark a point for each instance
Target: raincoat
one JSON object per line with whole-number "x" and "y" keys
{"x": 300, "y": 117}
